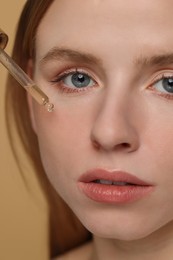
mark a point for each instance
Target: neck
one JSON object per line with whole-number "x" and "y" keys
{"x": 158, "y": 245}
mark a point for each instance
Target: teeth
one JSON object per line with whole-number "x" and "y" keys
{"x": 120, "y": 183}
{"x": 105, "y": 182}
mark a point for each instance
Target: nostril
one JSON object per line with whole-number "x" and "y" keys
{"x": 126, "y": 145}
{"x": 107, "y": 139}
{"x": 96, "y": 145}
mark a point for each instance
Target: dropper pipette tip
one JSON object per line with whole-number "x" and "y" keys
{"x": 49, "y": 106}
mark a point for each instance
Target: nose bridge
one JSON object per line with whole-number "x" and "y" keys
{"x": 114, "y": 125}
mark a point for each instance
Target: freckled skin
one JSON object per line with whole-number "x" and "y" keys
{"x": 88, "y": 130}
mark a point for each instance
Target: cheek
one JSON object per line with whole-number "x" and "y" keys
{"x": 63, "y": 136}
{"x": 69, "y": 126}
{"x": 156, "y": 152}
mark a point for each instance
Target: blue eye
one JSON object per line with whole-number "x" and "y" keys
{"x": 164, "y": 85}
{"x": 77, "y": 80}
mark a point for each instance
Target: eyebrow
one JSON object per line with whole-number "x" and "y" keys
{"x": 76, "y": 56}
{"x": 70, "y": 55}
{"x": 155, "y": 60}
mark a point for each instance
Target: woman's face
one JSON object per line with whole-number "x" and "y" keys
{"x": 108, "y": 68}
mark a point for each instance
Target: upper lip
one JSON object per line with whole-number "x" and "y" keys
{"x": 111, "y": 175}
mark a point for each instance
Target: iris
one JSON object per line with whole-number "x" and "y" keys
{"x": 80, "y": 80}
{"x": 168, "y": 84}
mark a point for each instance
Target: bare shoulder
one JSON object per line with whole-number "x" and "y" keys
{"x": 83, "y": 252}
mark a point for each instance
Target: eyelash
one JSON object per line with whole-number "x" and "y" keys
{"x": 69, "y": 90}
{"x": 157, "y": 80}
{"x": 65, "y": 89}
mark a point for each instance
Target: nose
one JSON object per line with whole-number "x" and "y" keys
{"x": 114, "y": 128}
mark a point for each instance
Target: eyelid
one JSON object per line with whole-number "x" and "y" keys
{"x": 160, "y": 75}
{"x": 64, "y": 88}
{"x": 166, "y": 74}
{"x": 68, "y": 72}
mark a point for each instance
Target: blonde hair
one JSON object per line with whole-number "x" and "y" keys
{"x": 66, "y": 231}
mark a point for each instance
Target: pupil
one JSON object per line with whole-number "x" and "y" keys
{"x": 80, "y": 80}
{"x": 168, "y": 85}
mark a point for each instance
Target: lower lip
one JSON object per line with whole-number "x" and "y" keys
{"x": 114, "y": 194}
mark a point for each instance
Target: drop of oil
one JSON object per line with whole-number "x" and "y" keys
{"x": 49, "y": 107}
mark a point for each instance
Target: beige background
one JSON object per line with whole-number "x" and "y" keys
{"x": 23, "y": 217}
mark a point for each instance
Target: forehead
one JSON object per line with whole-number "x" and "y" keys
{"x": 90, "y": 23}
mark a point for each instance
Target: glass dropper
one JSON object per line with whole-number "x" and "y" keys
{"x": 24, "y": 80}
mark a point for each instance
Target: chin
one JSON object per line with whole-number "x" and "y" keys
{"x": 129, "y": 230}
{"x": 119, "y": 234}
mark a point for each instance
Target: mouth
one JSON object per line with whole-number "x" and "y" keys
{"x": 106, "y": 186}
{"x": 117, "y": 183}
